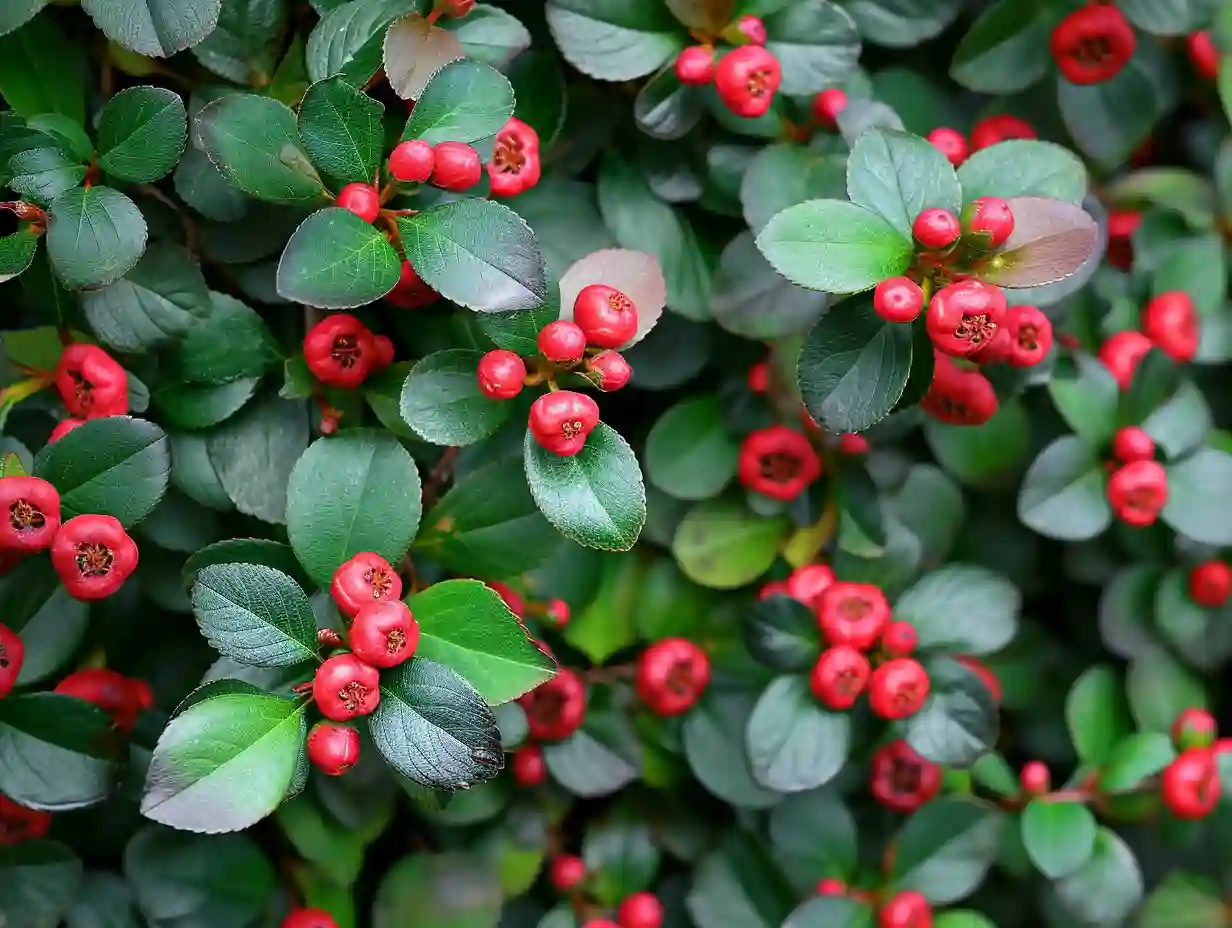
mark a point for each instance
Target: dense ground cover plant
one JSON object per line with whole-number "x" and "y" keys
{"x": 637, "y": 463}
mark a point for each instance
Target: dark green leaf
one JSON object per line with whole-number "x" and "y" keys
{"x": 156, "y": 28}
{"x": 752, "y": 299}
{"x": 1182, "y": 901}
{"x": 1096, "y": 714}
{"x": 666, "y": 109}
{"x": 245, "y": 551}
{"x": 714, "y": 744}
{"x": 451, "y": 889}
{"x": 539, "y": 85}
{"x": 816, "y": 42}
{"x": 737, "y": 884}
{"x": 42, "y": 174}
{"x": 32, "y": 88}
{"x": 490, "y": 35}
{"x": 94, "y": 237}
{"x": 793, "y": 742}
{"x": 230, "y": 343}
{"x": 988, "y": 456}
{"x": 67, "y": 749}
{"x": 959, "y": 721}
{"x": 622, "y": 857}
{"x": 38, "y": 881}
{"x": 1086, "y": 395}
{"x": 142, "y": 132}
{"x": 598, "y": 759}
{"x": 614, "y": 41}
{"x": 254, "y": 614}
{"x": 814, "y": 835}
{"x": 1062, "y": 494}
{"x": 902, "y": 23}
{"x": 253, "y": 453}
{"x": 442, "y": 403}
{"x": 200, "y": 406}
{"x": 830, "y": 912}
{"x": 1107, "y": 887}
{"x": 945, "y": 849}
{"x": 961, "y": 609}
{"x": 465, "y": 101}
{"x": 341, "y": 131}
{"x": 348, "y": 39}
{"x": 689, "y": 452}
{"x": 1059, "y": 837}
{"x": 782, "y": 633}
{"x": 335, "y": 260}
{"x": 202, "y": 187}
{"x": 18, "y": 13}
{"x": 1160, "y": 688}
{"x": 785, "y": 175}
{"x": 17, "y": 252}
{"x": 1006, "y": 48}
{"x": 898, "y": 176}
{"x": 244, "y": 46}
{"x": 1199, "y": 490}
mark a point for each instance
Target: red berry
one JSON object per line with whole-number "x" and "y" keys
{"x": 382, "y": 353}
{"x": 898, "y": 688}
{"x": 671, "y": 676}
{"x": 963, "y": 317}
{"x": 773, "y": 588}
{"x": 562, "y": 421}
{"x": 839, "y": 676}
{"x": 333, "y": 749}
{"x": 1210, "y": 583}
{"x": 1132, "y": 444}
{"x": 557, "y": 613}
{"x": 1002, "y": 128}
{"x": 411, "y": 292}
{"x": 91, "y": 383}
{"x": 501, "y": 374}
{"x": 12, "y": 654}
{"x": 117, "y": 695}
{"x": 1194, "y": 728}
{"x": 362, "y": 200}
{"x": 1035, "y": 778}
{"x": 412, "y": 161}
{"x": 566, "y": 871}
{"x": 515, "y": 166}
{"x": 831, "y": 887}
{"x": 901, "y": 779}
{"x": 309, "y": 918}
{"x": 850, "y": 443}
{"x": 611, "y": 370}
{"x": 898, "y": 299}
{"x": 601, "y": 923}
{"x": 958, "y": 397}
{"x": 529, "y": 767}
{"x": 340, "y": 351}
{"x": 362, "y": 579}
{"x": 808, "y": 582}
{"x": 1203, "y": 54}
{"x": 345, "y": 687}
{"x": 778, "y": 462}
{"x": 562, "y": 342}
{"x": 1092, "y": 44}
{"x": 18, "y": 824}
{"x": 936, "y": 228}
{"x": 384, "y": 633}
{"x": 93, "y": 556}
{"x": 1028, "y": 336}
{"x": 827, "y": 105}
{"x": 1122, "y": 224}
{"x": 1170, "y": 321}
{"x": 907, "y": 909}
{"x": 853, "y": 614}
{"x": 33, "y": 513}
{"x": 1191, "y": 784}
{"x": 951, "y": 143}
{"x": 747, "y": 79}
{"x": 981, "y": 670}
{"x": 458, "y": 167}
{"x": 754, "y": 30}
{"x": 641, "y": 910}
{"x": 899, "y": 639}
{"x": 555, "y": 709}
{"x": 695, "y": 66}
{"x": 455, "y": 9}
{"x": 1137, "y": 492}
{"x": 607, "y": 316}
{"x": 989, "y": 220}
{"x": 65, "y": 426}
{"x": 1122, "y": 353}
{"x": 759, "y": 377}
{"x": 515, "y": 602}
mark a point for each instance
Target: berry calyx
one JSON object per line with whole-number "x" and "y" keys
{"x": 899, "y": 639}
{"x": 778, "y": 462}
{"x": 827, "y": 105}
{"x": 898, "y": 688}
{"x": 514, "y": 167}
{"x": 557, "y": 613}
{"x": 951, "y": 143}
{"x": 362, "y": 200}
{"x": 63, "y": 428}
{"x": 898, "y": 299}
{"x": 501, "y": 374}
{"x": 412, "y": 161}
{"x": 363, "y": 579}
{"x": 561, "y": 422}
{"x": 901, "y": 779}
{"x": 853, "y": 614}
{"x": 121, "y": 697}
{"x": 1170, "y": 321}
{"x": 457, "y": 167}
{"x": 555, "y": 709}
{"x": 340, "y": 351}
{"x": 1210, "y": 584}
{"x": 1137, "y": 492}
{"x": 31, "y": 513}
{"x": 18, "y": 824}
{"x": 384, "y": 633}
{"x": 958, "y": 397}
{"x": 607, "y": 316}
{"x": 1132, "y": 444}
{"x": 831, "y": 887}
{"x": 1203, "y": 54}
{"x": 1035, "y": 778}
{"x": 562, "y": 342}
{"x": 641, "y": 910}
{"x": 839, "y": 677}
{"x": 333, "y": 749}
{"x": 988, "y": 220}
{"x": 747, "y": 79}
{"x": 695, "y": 66}
{"x": 93, "y": 556}
{"x": 964, "y": 317}
{"x": 807, "y": 582}
{"x": 611, "y": 371}
{"x": 566, "y": 871}
{"x": 1092, "y": 44}
{"x": 91, "y": 383}
{"x": 1000, "y": 128}
{"x": 936, "y": 228}
{"x": 754, "y": 30}
{"x": 672, "y": 675}
{"x": 309, "y": 918}
{"x": 907, "y": 909}
{"x": 12, "y": 655}
{"x": 1027, "y": 336}
{"x": 529, "y": 767}
{"x": 1122, "y": 353}
{"x": 345, "y": 687}
{"x": 1190, "y": 784}
{"x": 1194, "y": 728}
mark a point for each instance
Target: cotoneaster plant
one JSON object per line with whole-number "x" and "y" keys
{"x": 594, "y": 464}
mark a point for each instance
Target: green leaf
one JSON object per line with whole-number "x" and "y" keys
{"x": 432, "y": 727}
{"x": 18, "y": 13}
{"x": 1160, "y": 688}
{"x": 465, "y": 101}
{"x": 945, "y": 849}
{"x": 352, "y": 492}
{"x": 898, "y": 176}
{"x": 1199, "y": 491}
{"x": 595, "y": 497}
{"x": 816, "y": 42}
{"x": 67, "y": 751}
{"x": 1107, "y": 887}
{"x": 157, "y": 28}
{"x": 199, "y": 406}
{"x": 667, "y": 110}
{"x": 466, "y": 626}
{"x": 959, "y": 720}
{"x": 42, "y": 174}
{"x": 230, "y": 343}
{"x": 245, "y": 551}
{"x": 1175, "y": 17}
{"x": 902, "y": 23}
{"x": 988, "y": 456}
{"x": 142, "y": 132}
{"x": 38, "y": 882}
{"x": 202, "y": 187}
{"x": 254, "y": 143}
{"x": 1182, "y": 424}
{"x": 490, "y": 35}
{"x": 479, "y": 254}
{"x": 244, "y": 46}
{"x": 1134, "y": 759}
{"x": 793, "y": 742}
{"x": 689, "y": 452}
{"x": 737, "y": 884}
{"x": 623, "y": 858}
{"x": 834, "y": 246}
{"x": 854, "y": 367}
{"x": 721, "y": 544}
{"x": 451, "y": 890}
{"x": 830, "y": 912}
{"x": 224, "y": 763}
{"x": 614, "y": 41}
{"x": 784, "y": 175}
{"x": 1182, "y": 901}
{"x": 17, "y": 252}
{"x": 1006, "y": 48}
{"x": 714, "y": 744}
{"x": 1096, "y": 714}
{"x": 30, "y": 87}
{"x": 781, "y": 633}
{"x": 1086, "y": 395}
{"x": 348, "y": 39}
{"x": 598, "y": 759}
{"x": 94, "y": 237}
{"x": 961, "y": 609}
{"x": 1062, "y": 494}
{"x": 1202, "y": 636}
{"x": 813, "y": 834}
{"x": 1155, "y": 379}
{"x": 255, "y": 615}
{"x": 50, "y": 622}
{"x": 751, "y": 298}
{"x": 539, "y": 85}
{"x": 1024, "y": 168}
{"x": 335, "y": 260}
{"x": 116, "y": 466}
{"x": 488, "y": 525}
{"x": 1059, "y": 837}
{"x": 609, "y": 623}
{"x": 442, "y": 403}
{"x": 341, "y": 131}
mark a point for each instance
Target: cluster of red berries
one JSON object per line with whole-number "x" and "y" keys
{"x": 1092, "y": 44}
{"x": 342, "y": 352}
{"x": 906, "y": 909}
{"x": 604, "y": 319}
{"x": 779, "y": 462}
{"x": 381, "y": 633}
{"x": 746, "y": 78}
{"x": 1137, "y": 484}
{"x": 567, "y": 874}
{"x": 987, "y": 132}
{"x": 1169, "y": 322}
{"x": 456, "y": 166}
{"x": 1190, "y": 784}
{"x": 91, "y": 384}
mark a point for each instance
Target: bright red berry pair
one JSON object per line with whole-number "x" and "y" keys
{"x": 309, "y": 918}
{"x": 12, "y": 655}
{"x": 747, "y": 79}
{"x": 901, "y": 779}
{"x": 93, "y": 556}
{"x": 778, "y": 462}
{"x": 1190, "y": 784}
{"x": 18, "y": 824}
{"x": 562, "y": 421}
{"x": 453, "y": 166}
{"x": 555, "y": 709}
{"x": 514, "y": 167}
{"x": 1138, "y": 492}
{"x": 31, "y": 508}
{"x": 123, "y": 698}
{"x": 1170, "y": 321}
{"x": 91, "y": 383}
{"x": 342, "y": 352}
{"x": 963, "y": 317}
{"x": 672, "y": 675}
{"x": 1210, "y": 583}
{"x": 958, "y": 396}
{"x": 1091, "y": 45}
{"x": 333, "y": 749}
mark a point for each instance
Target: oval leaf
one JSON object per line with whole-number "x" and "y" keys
{"x": 793, "y": 742}
{"x": 442, "y": 403}
{"x": 1051, "y": 240}
{"x": 254, "y": 614}
{"x": 335, "y": 260}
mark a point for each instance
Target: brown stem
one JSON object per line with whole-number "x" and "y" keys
{"x": 439, "y": 476}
